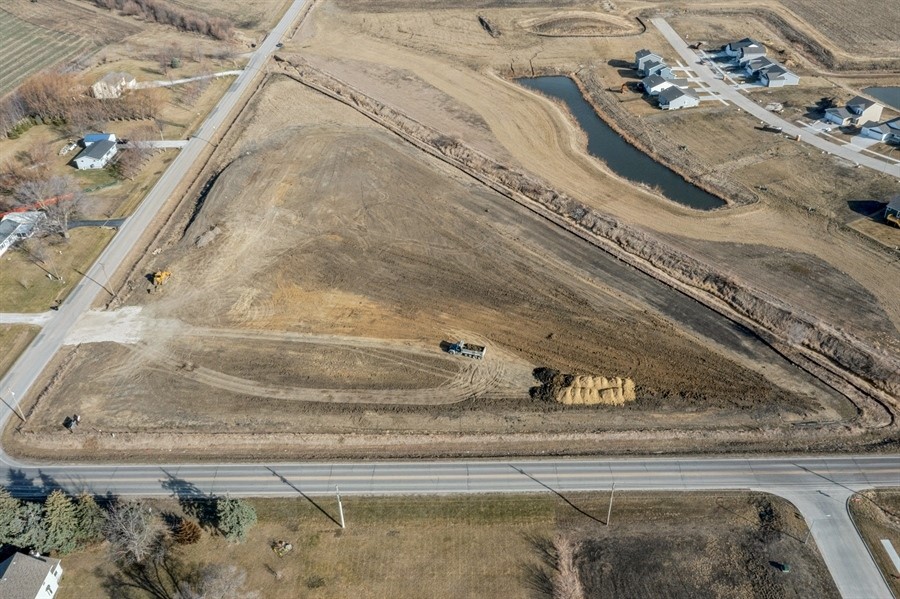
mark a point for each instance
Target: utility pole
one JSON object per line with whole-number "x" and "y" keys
{"x": 340, "y": 506}
{"x": 609, "y": 511}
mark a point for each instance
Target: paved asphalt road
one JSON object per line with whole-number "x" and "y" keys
{"x": 818, "y": 486}
{"x": 747, "y": 104}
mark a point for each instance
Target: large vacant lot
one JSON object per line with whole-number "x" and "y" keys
{"x": 320, "y": 273}
{"x": 674, "y": 545}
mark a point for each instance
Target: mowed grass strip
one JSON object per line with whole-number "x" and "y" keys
{"x": 27, "y": 48}
{"x": 24, "y": 282}
{"x": 13, "y": 340}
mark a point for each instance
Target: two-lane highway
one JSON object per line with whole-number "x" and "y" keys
{"x": 819, "y": 487}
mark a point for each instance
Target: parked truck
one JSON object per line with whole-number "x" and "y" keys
{"x": 468, "y": 350}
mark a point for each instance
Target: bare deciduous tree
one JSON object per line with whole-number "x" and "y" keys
{"x": 134, "y": 533}
{"x": 59, "y": 197}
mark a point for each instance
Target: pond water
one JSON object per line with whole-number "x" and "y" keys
{"x": 621, "y": 157}
{"x": 886, "y": 95}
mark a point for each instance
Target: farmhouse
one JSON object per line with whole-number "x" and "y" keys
{"x": 675, "y": 98}
{"x": 112, "y": 85}
{"x": 96, "y": 155}
{"x": 29, "y": 577}
{"x": 16, "y": 226}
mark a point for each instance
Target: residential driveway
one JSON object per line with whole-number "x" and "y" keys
{"x": 734, "y": 96}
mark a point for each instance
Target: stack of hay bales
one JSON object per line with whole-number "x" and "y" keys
{"x": 592, "y": 390}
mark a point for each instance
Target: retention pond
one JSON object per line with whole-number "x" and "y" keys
{"x": 623, "y": 158}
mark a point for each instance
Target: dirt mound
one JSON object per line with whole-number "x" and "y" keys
{"x": 580, "y": 24}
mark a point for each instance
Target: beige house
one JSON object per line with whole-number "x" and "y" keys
{"x": 112, "y": 85}
{"x": 29, "y": 577}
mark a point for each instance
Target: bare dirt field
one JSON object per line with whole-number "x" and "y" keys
{"x": 877, "y": 515}
{"x": 673, "y": 545}
{"x": 326, "y": 261}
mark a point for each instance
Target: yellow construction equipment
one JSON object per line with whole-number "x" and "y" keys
{"x": 891, "y": 219}
{"x": 160, "y": 277}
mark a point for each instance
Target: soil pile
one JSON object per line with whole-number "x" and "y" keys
{"x": 592, "y": 390}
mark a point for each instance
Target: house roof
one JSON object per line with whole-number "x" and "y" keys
{"x": 759, "y": 63}
{"x": 671, "y": 94}
{"x": 840, "y": 111}
{"x": 894, "y": 202}
{"x": 115, "y": 77}
{"x": 880, "y": 127}
{"x": 21, "y": 576}
{"x": 894, "y": 123}
{"x": 95, "y": 137}
{"x": 776, "y": 71}
{"x": 644, "y": 53}
{"x": 861, "y": 103}
{"x": 652, "y": 64}
{"x": 652, "y": 81}
{"x": 97, "y": 150}
{"x": 747, "y": 41}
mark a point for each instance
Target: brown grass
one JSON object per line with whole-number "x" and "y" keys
{"x": 14, "y": 339}
{"x": 877, "y": 516}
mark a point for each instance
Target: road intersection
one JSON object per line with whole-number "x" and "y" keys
{"x": 819, "y": 486}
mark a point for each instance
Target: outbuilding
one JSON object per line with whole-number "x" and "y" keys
{"x": 97, "y": 155}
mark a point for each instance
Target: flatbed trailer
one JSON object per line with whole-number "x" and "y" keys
{"x": 467, "y": 349}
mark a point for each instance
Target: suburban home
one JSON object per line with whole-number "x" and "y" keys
{"x": 744, "y": 49}
{"x": 642, "y": 56}
{"x": 755, "y": 66}
{"x": 840, "y": 116}
{"x": 859, "y": 111}
{"x": 112, "y": 85}
{"x": 888, "y": 131}
{"x": 778, "y": 76}
{"x": 892, "y": 210}
{"x": 29, "y": 577}
{"x": 16, "y": 226}
{"x": 92, "y": 138}
{"x": 675, "y": 98}
{"x": 652, "y": 67}
{"x": 655, "y": 84}
{"x": 96, "y": 155}
{"x": 865, "y": 110}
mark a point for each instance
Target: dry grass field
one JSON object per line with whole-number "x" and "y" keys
{"x": 877, "y": 515}
{"x": 672, "y": 545}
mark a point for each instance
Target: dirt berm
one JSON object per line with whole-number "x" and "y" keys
{"x": 871, "y": 371}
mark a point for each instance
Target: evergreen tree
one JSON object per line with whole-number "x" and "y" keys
{"x": 60, "y": 522}
{"x": 12, "y": 522}
{"x": 90, "y": 520}
{"x": 236, "y": 517}
{"x": 34, "y": 532}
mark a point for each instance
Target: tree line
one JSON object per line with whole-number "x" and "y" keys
{"x": 165, "y": 13}
{"x": 57, "y": 98}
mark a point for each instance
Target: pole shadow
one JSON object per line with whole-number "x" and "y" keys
{"x": 560, "y": 495}
{"x": 304, "y": 495}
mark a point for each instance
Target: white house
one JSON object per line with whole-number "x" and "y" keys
{"x": 16, "y": 226}
{"x": 888, "y": 131}
{"x": 744, "y": 49}
{"x": 97, "y": 155}
{"x": 675, "y": 98}
{"x": 112, "y": 85}
{"x": 642, "y": 56}
{"x": 29, "y": 577}
{"x": 839, "y": 116}
{"x": 865, "y": 109}
{"x": 655, "y": 84}
{"x": 778, "y": 76}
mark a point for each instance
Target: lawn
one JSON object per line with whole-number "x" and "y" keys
{"x": 29, "y": 285}
{"x": 13, "y": 339}
{"x": 497, "y": 546}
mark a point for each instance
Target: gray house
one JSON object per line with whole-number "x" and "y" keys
{"x": 778, "y": 76}
{"x": 29, "y": 577}
{"x": 744, "y": 49}
{"x": 859, "y": 111}
{"x": 654, "y": 84}
{"x": 642, "y": 56}
{"x": 892, "y": 211}
{"x": 675, "y": 98}
{"x": 97, "y": 155}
